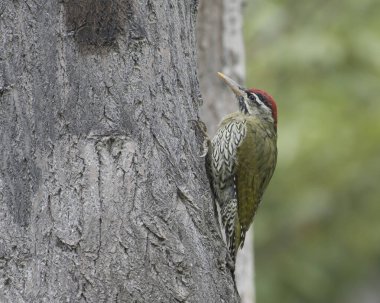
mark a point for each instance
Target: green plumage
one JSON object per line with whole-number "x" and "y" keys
{"x": 256, "y": 161}
{"x": 241, "y": 161}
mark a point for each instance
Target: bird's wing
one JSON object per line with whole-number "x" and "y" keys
{"x": 222, "y": 172}
{"x": 222, "y": 157}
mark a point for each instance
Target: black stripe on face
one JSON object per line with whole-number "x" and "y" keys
{"x": 252, "y": 97}
{"x": 263, "y": 99}
{"x": 259, "y": 100}
{"x": 242, "y": 106}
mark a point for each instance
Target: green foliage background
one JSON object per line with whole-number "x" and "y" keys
{"x": 317, "y": 233}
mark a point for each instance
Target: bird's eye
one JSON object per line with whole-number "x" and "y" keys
{"x": 251, "y": 96}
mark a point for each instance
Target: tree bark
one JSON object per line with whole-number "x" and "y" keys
{"x": 221, "y": 48}
{"x": 103, "y": 195}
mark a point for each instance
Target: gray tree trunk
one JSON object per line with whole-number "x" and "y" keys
{"x": 103, "y": 195}
{"x": 221, "y": 48}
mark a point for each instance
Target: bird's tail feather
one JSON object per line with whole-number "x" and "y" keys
{"x": 232, "y": 227}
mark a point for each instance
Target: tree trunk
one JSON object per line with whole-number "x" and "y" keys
{"x": 221, "y": 48}
{"x": 103, "y": 195}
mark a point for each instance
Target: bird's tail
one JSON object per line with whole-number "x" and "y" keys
{"x": 231, "y": 225}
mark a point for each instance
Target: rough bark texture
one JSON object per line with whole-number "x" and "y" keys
{"x": 221, "y": 48}
{"x": 103, "y": 195}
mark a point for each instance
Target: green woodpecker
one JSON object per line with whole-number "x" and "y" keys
{"x": 241, "y": 160}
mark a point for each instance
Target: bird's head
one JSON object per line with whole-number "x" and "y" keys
{"x": 253, "y": 101}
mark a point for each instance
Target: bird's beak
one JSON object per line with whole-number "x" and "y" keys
{"x": 239, "y": 92}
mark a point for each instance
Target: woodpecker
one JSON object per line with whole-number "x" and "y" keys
{"x": 241, "y": 159}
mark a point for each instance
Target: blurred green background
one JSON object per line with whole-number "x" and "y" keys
{"x": 317, "y": 235}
